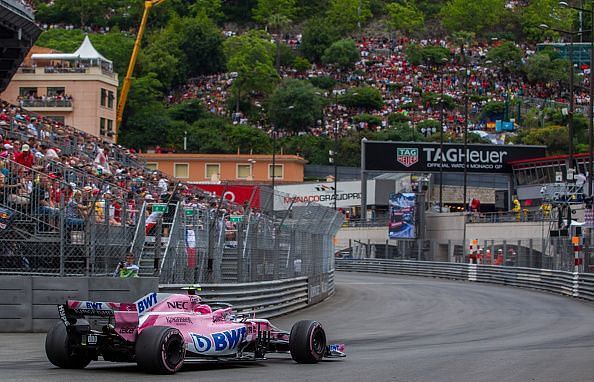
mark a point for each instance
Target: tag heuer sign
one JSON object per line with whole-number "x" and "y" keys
{"x": 381, "y": 156}
{"x": 407, "y": 156}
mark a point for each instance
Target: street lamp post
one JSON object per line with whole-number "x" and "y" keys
{"x": 570, "y": 124}
{"x": 591, "y": 104}
{"x": 466, "y": 136}
{"x": 441, "y": 125}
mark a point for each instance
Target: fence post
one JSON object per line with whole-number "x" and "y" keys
{"x": 158, "y": 245}
{"x": 62, "y": 237}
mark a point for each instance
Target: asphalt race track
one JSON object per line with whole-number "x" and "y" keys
{"x": 395, "y": 329}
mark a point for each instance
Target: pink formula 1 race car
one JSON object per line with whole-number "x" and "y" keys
{"x": 162, "y": 332}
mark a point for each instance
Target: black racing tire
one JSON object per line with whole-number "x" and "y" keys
{"x": 59, "y": 351}
{"x": 160, "y": 350}
{"x": 307, "y": 342}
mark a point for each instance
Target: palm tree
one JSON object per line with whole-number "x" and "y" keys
{"x": 277, "y": 23}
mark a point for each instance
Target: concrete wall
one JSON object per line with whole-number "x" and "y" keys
{"x": 373, "y": 235}
{"x": 28, "y": 304}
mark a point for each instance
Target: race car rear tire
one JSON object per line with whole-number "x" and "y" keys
{"x": 59, "y": 350}
{"x": 160, "y": 350}
{"x": 307, "y": 341}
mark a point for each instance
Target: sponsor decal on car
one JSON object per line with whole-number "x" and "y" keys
{"x": 181, "y": 305}
{"x": 62, "y": 313}
{"x": 146, "y": 302}
{"x": 179, "y": 320}
{"x": 218, "y": 342}
{"x": 127, "y": 330}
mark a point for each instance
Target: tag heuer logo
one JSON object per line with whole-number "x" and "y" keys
{"x": 407, "y": 156}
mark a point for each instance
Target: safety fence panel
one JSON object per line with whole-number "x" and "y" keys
{"x": 574, "y": 284}
{"x": 455, "y": 271}
{"x": 266, "y": 299}
{"x": 48, "y": 227}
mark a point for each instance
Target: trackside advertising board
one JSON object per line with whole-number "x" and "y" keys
{"x": 348, "y": 194}
{"x": 427, "y": 157}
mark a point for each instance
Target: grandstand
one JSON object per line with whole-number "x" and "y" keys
{"x": 18, "y": 32}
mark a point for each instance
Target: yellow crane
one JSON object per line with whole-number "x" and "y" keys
{"x": 148, "y": 4}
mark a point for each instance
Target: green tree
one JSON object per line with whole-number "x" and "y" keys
{"x": 463, "y": 39}
{"x": 278, "y": 22}
{"x": 348, "y": 15}
{"x": 146, "y": 121}
{"x": 301, "y": 64}
{"x": 189, "y": 111}
{"x": 295, "y": 106}
{"x": 364, "y": 97}
{"x": 250, "y": 57}
{"x": 548, "y": 12}
{"x": 267, "y": 9}
{"x": 211, "y": 8}
{"x": 343, "y": 53}
{"x": 201, "y": 42}
{"x": 493, "y": 109}
{"x": 312, "y": 147}
{"x": 430, "y": 55}
{"x": 478, "y": 16}
{"x": 507, "y": 57}
{"x": 555, "y": 137}
{"x": 318, "y": 35}
{"x": 543, "y": 68}
{"x": 404, "y": 17}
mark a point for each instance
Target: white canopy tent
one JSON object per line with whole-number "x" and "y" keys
{"x": 86, "y": 53}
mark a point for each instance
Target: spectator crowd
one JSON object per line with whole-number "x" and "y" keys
{"x": 384, "y": 65}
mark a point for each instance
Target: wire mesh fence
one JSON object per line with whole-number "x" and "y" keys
{"x": 217, "y": 245}
{"x": 52, "y": 227}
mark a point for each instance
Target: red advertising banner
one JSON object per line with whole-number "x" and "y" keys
{"x": 238, "y": 194}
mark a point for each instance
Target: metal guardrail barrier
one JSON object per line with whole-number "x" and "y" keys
{"x": 266, "y": 299}
{"x": 574, "y": 284}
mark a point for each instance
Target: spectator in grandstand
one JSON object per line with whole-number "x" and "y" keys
{"x": 41, "y": 198}
{"x": 25, "y": 157}
{"x": 74, "y": 217}
{"x": 127, "y": 268}
{"x": 7, "y": 151}
{"x": 102, "y": 162}
{"x": 49, "y": 153}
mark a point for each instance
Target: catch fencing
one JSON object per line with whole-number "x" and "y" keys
{"x": 62, "y": 221}
{"x": 574, "y": 284}
{"x": 221, "y": 245}
{"x": 48, "y": 228}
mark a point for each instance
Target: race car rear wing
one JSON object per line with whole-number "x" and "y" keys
{"x": 74, "y": 309}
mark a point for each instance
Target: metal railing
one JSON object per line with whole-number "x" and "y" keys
{"x": 45, "y": 229}
{"x": 66, "y": 103}
{"x": 511, "y": 216}
{"x": 575, "y": 284}
{"x": 266, "y": 299}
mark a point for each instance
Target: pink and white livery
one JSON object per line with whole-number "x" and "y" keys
{"x": 162, "y": 332}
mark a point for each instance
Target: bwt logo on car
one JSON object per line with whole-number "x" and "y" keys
{"x": 218, "y": 342}
{"x": 94, "y": 305}
{"x": 146, "y": 302}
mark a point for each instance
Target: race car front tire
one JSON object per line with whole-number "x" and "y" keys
{"x": 160, "y": 350}
{"x": 307, "y": 341}
{"x": 59, "y": 350}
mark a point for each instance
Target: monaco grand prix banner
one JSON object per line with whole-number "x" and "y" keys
{"x": 427, "y": 157}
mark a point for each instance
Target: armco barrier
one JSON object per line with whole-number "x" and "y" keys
{"x": 266, "y": 299}
{"x": 28, "y": 303}
{"x": 579, "y": 285}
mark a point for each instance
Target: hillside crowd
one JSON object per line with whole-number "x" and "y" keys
{"x": 384, "y": 66}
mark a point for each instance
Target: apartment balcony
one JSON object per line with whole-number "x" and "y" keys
{"x": 60, "y": 105}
